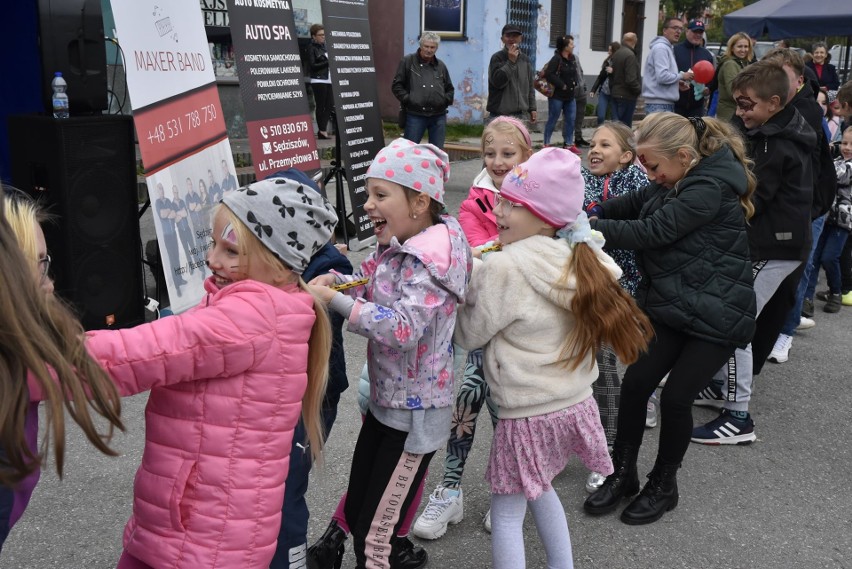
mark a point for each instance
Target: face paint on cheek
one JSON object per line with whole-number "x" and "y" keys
{"x": 745, "y": 103}
{"x": 229, "y": 234}
{"x": 642, "y": 160}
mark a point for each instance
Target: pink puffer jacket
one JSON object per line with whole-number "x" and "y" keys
{"x": 227, "y": 379}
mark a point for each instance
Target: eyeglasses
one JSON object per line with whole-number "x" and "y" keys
{"x": 677, "y": 28}
{"x": 504, "y": 205}
{"x": 44, "y": 266}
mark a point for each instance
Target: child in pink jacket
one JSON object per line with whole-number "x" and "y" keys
{"x": 228, "y": 380}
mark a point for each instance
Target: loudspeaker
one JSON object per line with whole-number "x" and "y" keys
{"x": 83, "y": 171}
{"x": 71, "y": 35}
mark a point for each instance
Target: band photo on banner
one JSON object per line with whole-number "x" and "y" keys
{"x": 181, "y": 131}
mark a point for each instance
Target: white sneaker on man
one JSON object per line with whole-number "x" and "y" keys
{"x": 444, "y": 508}
{"x": 781, "y": 352}
{"x": 806, "y": 323}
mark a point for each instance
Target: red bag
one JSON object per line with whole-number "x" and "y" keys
{"x": 542, "y": 85}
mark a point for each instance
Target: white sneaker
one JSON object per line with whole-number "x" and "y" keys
{"x": 442, "y": 509}
{"x": 594, "y": 481}
{"x": 781, "y": 352}
{"x": 651, "y": 412}
{"x": 805, "y": 323}
{"x": 487, "y": 521}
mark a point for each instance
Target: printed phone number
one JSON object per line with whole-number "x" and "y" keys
{"x": 175, "y": 127}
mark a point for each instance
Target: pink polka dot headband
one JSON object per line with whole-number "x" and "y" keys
{"x": 422, "y": 167}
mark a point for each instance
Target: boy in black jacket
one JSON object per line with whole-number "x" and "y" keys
{"x": 803, "y": 98}
{"x": 779, "y": 233}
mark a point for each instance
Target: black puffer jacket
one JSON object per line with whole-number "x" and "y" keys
{"x": 692, "y": 250}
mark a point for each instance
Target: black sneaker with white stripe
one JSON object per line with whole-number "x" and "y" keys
{"x": 725, "y": 430}
{"x": 710, "y": 396}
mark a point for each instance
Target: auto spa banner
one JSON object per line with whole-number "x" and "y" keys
{"x": 272, "y": 88}
{"x": 353, "y": 81}
{"x": 181, "y": 130}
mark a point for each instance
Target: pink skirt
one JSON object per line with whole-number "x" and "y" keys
{"x": 527, "y": 454}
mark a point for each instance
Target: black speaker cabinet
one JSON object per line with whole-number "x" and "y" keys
{"x": 83, "y": 171}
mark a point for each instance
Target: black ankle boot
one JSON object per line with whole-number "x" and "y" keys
{"x": 327, "y": 552}
{"x": 622, "y": 483}
{"x": 406, "y": 555}
{"x": 657, "y": 497}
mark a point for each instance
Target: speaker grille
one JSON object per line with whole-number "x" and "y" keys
{"x": 83, "y": 170}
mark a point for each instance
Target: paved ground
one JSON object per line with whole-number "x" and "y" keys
{"x": 783, "y": 502}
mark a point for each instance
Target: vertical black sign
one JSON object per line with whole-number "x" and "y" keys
{"x": 272, "y": 88}
{"x": 356, "y": 99}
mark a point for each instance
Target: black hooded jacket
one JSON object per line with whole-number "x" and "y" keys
{"x": 825, "y": 179}
{"x": 692, "y": 250}
{"x": 781, "y": 150}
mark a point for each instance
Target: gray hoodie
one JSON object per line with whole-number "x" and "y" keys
{"x": 660, "y": 79}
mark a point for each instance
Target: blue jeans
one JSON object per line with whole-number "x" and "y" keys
{"x": 795, "y": 313}
{"x": 658, "y": 108}
{"x": 827, "y": 254}
{"x": 603, "y": 103}
{"x": 417, "y": 125}
{"x": 623, "y": 109}
{"x": 556, "y": 107}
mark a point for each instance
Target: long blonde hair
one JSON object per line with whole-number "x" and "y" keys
{"x": 319, "y": 344}
{"x": 667, "y": 133}
{"x": 605, "y": 313}
{"x": 41, "y": 337}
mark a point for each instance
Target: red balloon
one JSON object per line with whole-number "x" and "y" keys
{"x": 703, "y": 72}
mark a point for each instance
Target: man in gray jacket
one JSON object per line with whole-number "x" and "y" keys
{"x": 662, "y": 82}
{"x": 510, "y": 79}
{"x": 424, "y": 89}
{"x": 625, "y": 83}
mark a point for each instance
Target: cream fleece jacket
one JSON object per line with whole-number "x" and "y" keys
{"x": 516, "y": 310}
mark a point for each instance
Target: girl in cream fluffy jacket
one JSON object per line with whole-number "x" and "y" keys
{"x": 540, "y": 348}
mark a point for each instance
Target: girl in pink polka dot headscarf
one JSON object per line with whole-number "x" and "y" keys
{"x": 416, "y": 278}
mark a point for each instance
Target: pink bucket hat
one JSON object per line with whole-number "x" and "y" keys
{"x": 422, "y": 167}
{"x": 549, "y": 184}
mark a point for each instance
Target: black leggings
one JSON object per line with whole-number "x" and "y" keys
{"x": 383, "y": 482}
{"x": 691, "y": 363}
{"x": 324, "y": 104}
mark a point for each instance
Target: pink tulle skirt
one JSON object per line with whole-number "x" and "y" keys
{"x": 527, "y": 454}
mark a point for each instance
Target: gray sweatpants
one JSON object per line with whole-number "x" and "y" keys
{"x": 735, "y": 377}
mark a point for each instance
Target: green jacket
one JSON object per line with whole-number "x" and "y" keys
{"x": 692, "y": 250}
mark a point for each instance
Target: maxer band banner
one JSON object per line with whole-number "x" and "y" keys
{"x": 181, "y": 130}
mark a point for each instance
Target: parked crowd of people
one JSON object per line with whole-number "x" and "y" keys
{"x": 687, "y": 249}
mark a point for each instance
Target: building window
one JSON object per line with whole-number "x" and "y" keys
{"x": 558, "y": 17}
{"x": 601, "y": 24}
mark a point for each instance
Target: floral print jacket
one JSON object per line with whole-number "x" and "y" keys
{"x": 407, "y": 311}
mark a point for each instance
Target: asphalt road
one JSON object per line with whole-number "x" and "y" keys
{"x": 782, "y": 502}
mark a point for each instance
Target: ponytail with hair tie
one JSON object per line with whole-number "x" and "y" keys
{"x": 699, "y": 125}
{"x": 581, "y": 232}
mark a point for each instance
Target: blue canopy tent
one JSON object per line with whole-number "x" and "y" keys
{"x": 791, "y": 19}
{"x": 781, "y": 19}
